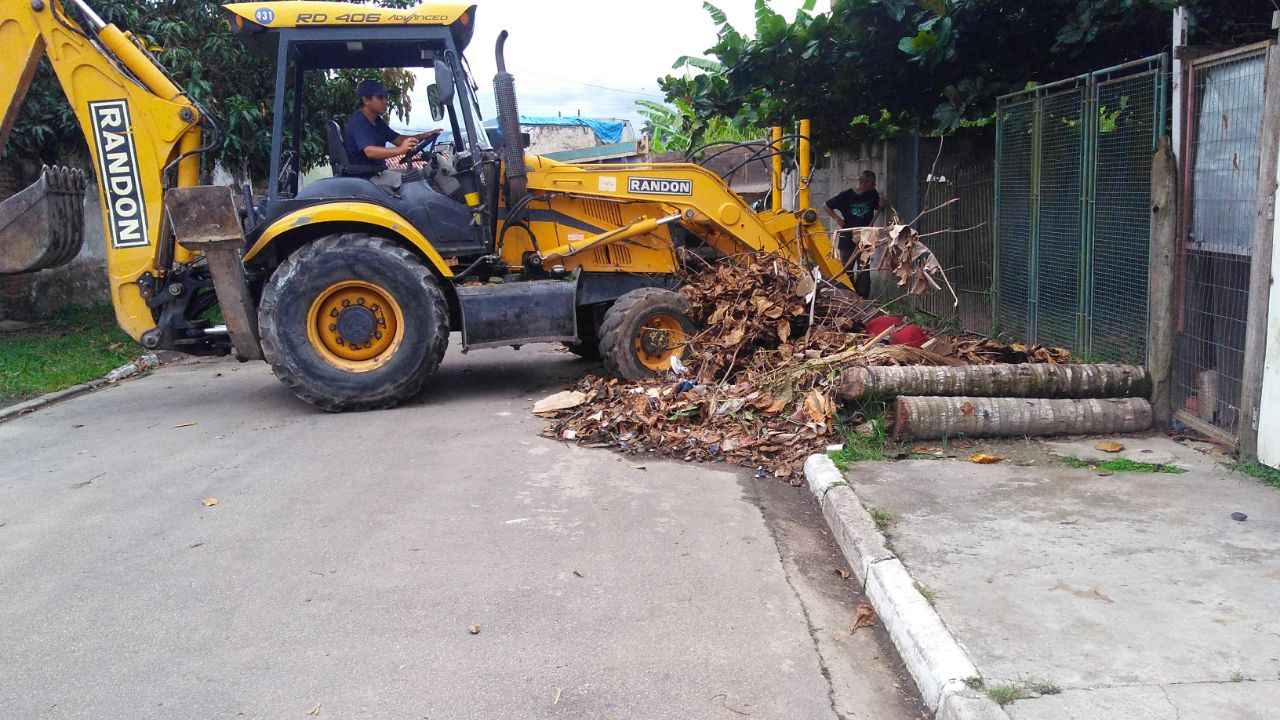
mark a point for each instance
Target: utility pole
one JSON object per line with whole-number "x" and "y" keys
{"x": 1179, "y": 42}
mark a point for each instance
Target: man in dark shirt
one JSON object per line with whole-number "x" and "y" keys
{"x": 856, "y": 208}
{"x": 367, "y": 134}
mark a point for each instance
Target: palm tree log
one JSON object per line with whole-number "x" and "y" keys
{"x": 1040, "y": 380}
{"x": 923, "y": 418}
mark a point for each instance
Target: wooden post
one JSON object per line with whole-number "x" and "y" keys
{"x": 1260, "y": 289}
{"x": 1161, "y": 281}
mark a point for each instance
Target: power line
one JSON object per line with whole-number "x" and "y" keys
{"x": 598, "y": 87}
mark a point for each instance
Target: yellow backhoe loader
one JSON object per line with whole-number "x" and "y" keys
{"x": 349, "y": 286}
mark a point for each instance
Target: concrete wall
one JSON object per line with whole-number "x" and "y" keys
{"x": 554, "y": 138}
{"x": 37, "y": 296}
{"x": 839, "y": 171}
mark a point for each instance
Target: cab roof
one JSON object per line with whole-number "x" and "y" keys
{"x": 259, "y": 17}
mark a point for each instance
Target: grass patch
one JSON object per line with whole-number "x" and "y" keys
{"x": 929, "y": 595}
{"x": 861, "y": 448}
{"x": 884, "y": 519}
{"x": 1268, "y": 475}
{"x": 76, "y": 345}
{"x": 1121, "y": 465}
{"x": 1237, "y": 676}
{"x": 1004, "y": 694}
{"x": 1044, "y": 687}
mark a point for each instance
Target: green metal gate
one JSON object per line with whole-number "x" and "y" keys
{"x": 1073, "y": 189}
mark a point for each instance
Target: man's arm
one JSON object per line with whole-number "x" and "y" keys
{"x": 834, "y": 202}
{"x": 375, "y": 152}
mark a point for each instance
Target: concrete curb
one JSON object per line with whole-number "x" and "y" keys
{"x": 933, "y": 657}
{"x": 144, "y": 363}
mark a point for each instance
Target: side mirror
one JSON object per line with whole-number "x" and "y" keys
{"x": 444, "y": 81}
{"x": 433, "y": 100}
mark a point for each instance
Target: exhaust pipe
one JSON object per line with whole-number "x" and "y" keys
{"x": 504, "y": 92}
{"x": 42, "y": 226}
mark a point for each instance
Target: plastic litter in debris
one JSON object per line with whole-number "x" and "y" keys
{"x": 144, "y": 363}
{"x": 678, "y": 367}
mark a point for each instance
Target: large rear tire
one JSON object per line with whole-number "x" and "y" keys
{"x": 642, "y": 331}
{"x": 353, "y": 322}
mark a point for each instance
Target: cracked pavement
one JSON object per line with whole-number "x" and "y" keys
{"x": 347, "y": 556}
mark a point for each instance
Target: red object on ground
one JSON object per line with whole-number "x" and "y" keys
{"x": 912, "y": 335}
{"x": 877, "y": 325}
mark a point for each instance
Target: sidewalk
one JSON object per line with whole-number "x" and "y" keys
{"x": 1092, "y": 595}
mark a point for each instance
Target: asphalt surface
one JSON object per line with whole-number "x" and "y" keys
{"x": 349, "y": 557}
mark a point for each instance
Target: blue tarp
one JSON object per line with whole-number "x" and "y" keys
{"x": 607, "y": 131}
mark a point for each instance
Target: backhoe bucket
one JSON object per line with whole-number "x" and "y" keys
{"x": 42, "y": 226}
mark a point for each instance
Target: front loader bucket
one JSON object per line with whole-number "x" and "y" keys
{"x": 42, "y": 226}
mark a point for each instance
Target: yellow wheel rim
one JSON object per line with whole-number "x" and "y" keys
{"x": 355, "y": 325}
{"x": 660, "y": 337}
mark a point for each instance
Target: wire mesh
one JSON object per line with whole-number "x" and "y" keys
{"x": 1072, "y": 204}
{"x": 1224, "y": 119}
{"x": 960, "y": 236}
{"x": 1125, "y": 117}
{"x": 1015, "y": 201}
{"x": 1058, "y": 248}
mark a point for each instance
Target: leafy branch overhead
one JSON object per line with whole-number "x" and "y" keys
{"x": 871, "y": 68}
{"x": 191, "y": 39}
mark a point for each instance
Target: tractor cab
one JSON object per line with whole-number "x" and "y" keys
{"x": 441, "y": 191}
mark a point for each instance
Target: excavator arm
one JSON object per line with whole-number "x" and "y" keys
{"x": 144, "y": 136}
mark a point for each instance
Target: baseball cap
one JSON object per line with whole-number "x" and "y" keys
{"x": 370, "y": 88}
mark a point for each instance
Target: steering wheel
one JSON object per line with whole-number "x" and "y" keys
{"x": 421, "y": 150}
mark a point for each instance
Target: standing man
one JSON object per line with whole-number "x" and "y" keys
{"x": 857, "y": 207}
{"x": 367, "y": 134}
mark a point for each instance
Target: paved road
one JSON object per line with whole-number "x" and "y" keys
{"x": 347, "y": 556}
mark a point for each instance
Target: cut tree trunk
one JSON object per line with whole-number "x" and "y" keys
{"x": 925, "y": 418}
{"x": 1026, "y": 380}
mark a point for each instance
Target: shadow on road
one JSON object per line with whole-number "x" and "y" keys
{"x": 499, "y": 372}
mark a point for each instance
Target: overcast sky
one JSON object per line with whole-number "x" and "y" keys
{"x": 595, "y": 57}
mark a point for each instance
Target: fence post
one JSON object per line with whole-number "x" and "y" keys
{"x": 1160, "y": 281}
{"x": 1033, "y": 237}
{"x": 1255, "y": 339}
{"x": 996, "y": 171}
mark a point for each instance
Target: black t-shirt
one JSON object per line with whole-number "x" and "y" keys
{"x": 857, "y": 209}
{"x": 360, "y": 134}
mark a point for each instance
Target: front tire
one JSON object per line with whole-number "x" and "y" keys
{"x": 642, "y": 331}
{"x": 353, "y": 322}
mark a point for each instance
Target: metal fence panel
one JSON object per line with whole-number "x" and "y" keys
{"x": 1072, "y": 210}
{"x": 1057, "y": 250}
{"x": 1015, "y": 195}
{"x": 1121, "y": 215}
{"x": 959, "y": 233}
{"x": 1224, "y": 121}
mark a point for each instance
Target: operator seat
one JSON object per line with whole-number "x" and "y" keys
{"x": 342, "y": 165}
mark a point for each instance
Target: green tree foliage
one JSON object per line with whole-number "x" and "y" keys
{"x": 674, "y": 129}
{"x": 872, "y": 67}
{"x": 191, "y": 40}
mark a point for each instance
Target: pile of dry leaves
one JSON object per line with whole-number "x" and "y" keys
{"x": 757, "y": 383}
